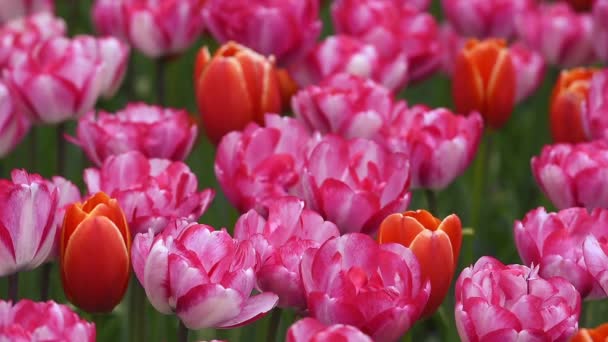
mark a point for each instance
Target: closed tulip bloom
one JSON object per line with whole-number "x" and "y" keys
{"x": 151, "y": 192}
{"x": 95, "y": 279}
{"x": 280, "y": 241}
{"x": 381, "y": 290}
{"x": 156, "y": 28}
{"x": 309, "y": 329}
{"x": 286, "y": 29}
{"x": 250, "y": 88}
{"x": 14, "y": 9}
{"x": 568, "y": 100}
{"x": 485, "y": 19}
{"x": 562, "y": 36}
{"x": 27, "y": 321}
{"x": 573, "y": 175}
{"x": 346, "y": 54}
{"x": 440, "y": 144}
{"x": 597, "y": 334}
{"x": 57, "y": 81}
{"x": 355, "y": 183}
{"x": 555, "y": 241}
{"x": 347, "y": 105}
{"x": 595, "y": 107}
{"x": 261, "y": 162}
{"x": 600, "y": 29}
{"x": 14, "y": 125}
{"x": 27, "y": 212}
{"x": 495, "y": 302}
{"x": 200, "y": 274}
{"x": 154, "y": 131}
{"x": 393, "y": 27}
{"x": 436, "y": 244}
{"x": 529, "y": 68}
{"x": 484, "y": 81}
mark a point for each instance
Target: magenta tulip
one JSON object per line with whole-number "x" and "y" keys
{"x": 309, "y": 329}
{"x": 14, "y": 9}
{"x": 14, "y": 125}
{"x": 600, "y": 29}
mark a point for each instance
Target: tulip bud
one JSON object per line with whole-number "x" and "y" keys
{"x": 599, "y": 334}
{"x": 95, "y": 254}
{"x": 234, "y": 87}
{"x": 484, "y": 81}
{"x": 435, "y": 243}
{"x": 569, "y": 95}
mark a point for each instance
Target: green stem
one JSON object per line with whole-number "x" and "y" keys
{"x": 275, "y": 322}
{"x": 137, "y": 312}
{"x": 45, "y": 281}
{"x": 161, "y": 68}
{"x": 182, "y": 332}
{"x": 13, "y": 287}
{"x": 33, "y": 148}
{"x": 61, "y": 148}
{"x": 431, "y": 199}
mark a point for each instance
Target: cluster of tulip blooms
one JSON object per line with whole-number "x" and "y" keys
{"x": 323, "y": 194}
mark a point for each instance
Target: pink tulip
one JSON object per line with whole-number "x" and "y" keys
{"x": 495, "y": 302}
{"x": 286, "y": 29}
{"x": 261, "y": 162}
{"x": 346, "y": 105}
{"x": 151, "y": 192}
{"x": 201, "y": 274}
{"x": 562, "y": 36}
{"x": 450, "y": 43}
{"x": 554, "y": 242}
{"x": 13, "y": 124}
{"x": 595, "y": 107}
{"x": 156, "y": 28}
{"x": 573, "y": 175}
{"x": 28, "y": 321}
{"x": 154, "y": 131}
{"x": 600, "y": 29}
{"x": 345, "y": 54}
{"x": 27, "y": 213}
{"x": 376, "y": 288}
{"x": 19, "y": 36}
{"x": 529, "y": 68}
{"x": 57, "y": 81}
{"x": 595, "y": 252}
{"x": 280, "y": 241}
{"x": 440, "y": 144}
{"x": 13, "y": 9}
{"x": 393, "y": 28}
{"x": 355, "y": 183}
{"x": 485, "y": 19}
{"x": 309, "y": 329}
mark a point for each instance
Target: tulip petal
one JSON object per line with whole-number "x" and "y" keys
{"x": 255, "y": 307}
{"x": 208, "y": 305}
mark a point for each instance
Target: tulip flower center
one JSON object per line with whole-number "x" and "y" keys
{"x": 358, "y": 277}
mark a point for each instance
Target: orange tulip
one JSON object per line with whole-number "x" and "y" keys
{"x": 484, "y": 81}
{"x": 569, "y": 94}
{"x": 234, "y": 87}
{"x": 95, "y": 254}
{"x": 435, "y": 243}
{"x": 599, "y": 334}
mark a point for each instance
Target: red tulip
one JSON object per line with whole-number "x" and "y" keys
{"x": 569, "y": 96}
{"x": 234, "y": 87}
{"x": 95, "y": 250}
{"x": 435, "y": 243}
{"x": 581, "y": 5}
{"x": 484, "y": 80}
{"x": 599, "y": 334}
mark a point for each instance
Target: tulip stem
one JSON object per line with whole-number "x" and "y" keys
{"x": 33, "y": 148}
{"x": 161, "y": 66}
{"x": 61, "y": 148}
{"x": 275, "y": 322}
{"x": 431, "y": 199}
{"x": 13, "y": 287}
{"x": 45, "y": 281}
{"x": 137, "y": 312}
{"x": 182, "y": 332}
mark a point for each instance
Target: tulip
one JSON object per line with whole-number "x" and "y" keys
{"x": 57, "y": 81}
{"x": 484, "y": 80}
{"x": 355, "y": 183}
{"x": 95, "y": 279}
{"x": 346, "y": 105}
{"x": 27, "y": 321}
{"x": 280, "y": 241}
{"x": 309, "y": 329}
{"x": 435, "y": 243}
{"x": 261, "y": 162}
{"x": 346, "y": 54}
{"x": 529, "y": 68}
{"x": 598, "y": 334}
{"x": 573, "y": 175}
{"x": 285, "y": 29}
{"x": 154, "y": 131}
{"x": 28, "y": 207}
{"x": 485, "y": 19}
{"x": 582, "y": 5}
{"x": 152, "y": 192}
{"x": 595, "y": 108}
{"x": 600, "y": 29}
{"x": 14, "y": 125}
{"x": 201, "y": 274}
{"x": 250, "y": 89}
{"x": 495, "y": 302}
{"x": 381, "y": 290}
{"x": 14, "y": 9}
{"x": 393, "y": 27}
{"x": 440, "y": 144}
{"x": 156, "y": 28}
{"x": 562, "y": 36}
{"x": 567, "y": 105}
{"x": 450, "y": 43}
